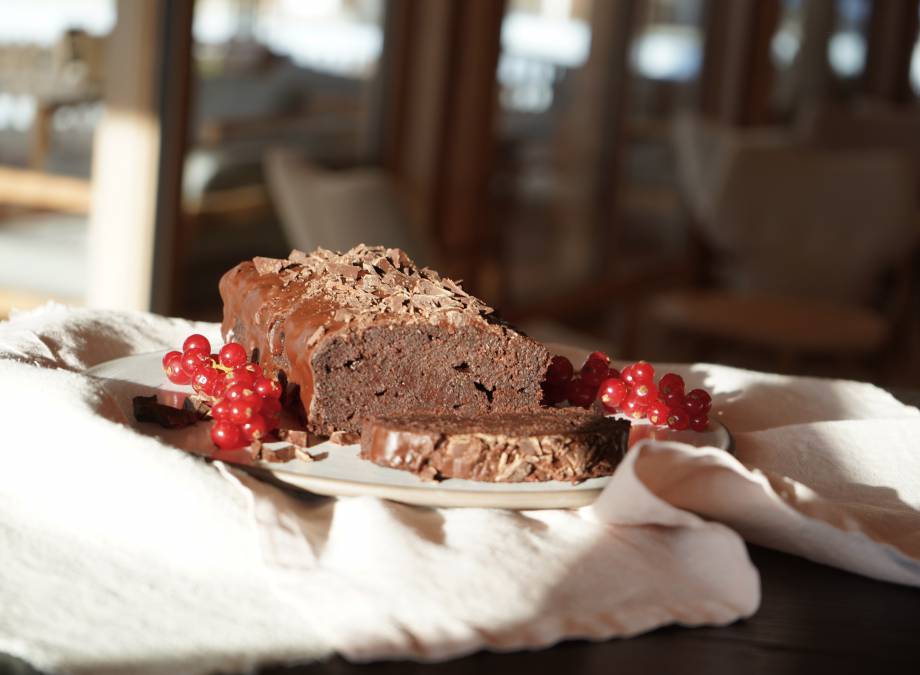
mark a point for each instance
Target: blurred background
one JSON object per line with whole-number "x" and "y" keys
{"x": 726, "y": 180}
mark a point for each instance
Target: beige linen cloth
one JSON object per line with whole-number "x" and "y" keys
{"x": 121, "y": 554}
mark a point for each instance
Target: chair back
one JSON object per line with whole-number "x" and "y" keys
{"x": 864, "y": 125}
{"x": 337, "y": 209}
{"x": 813, "y": 223}
{"x": 785, "y": 217}
{"x": 702, "y": 150}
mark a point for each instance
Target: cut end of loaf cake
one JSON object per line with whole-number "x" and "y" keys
{"x": 391, "y": 369}
{"x": 550, "y": 444}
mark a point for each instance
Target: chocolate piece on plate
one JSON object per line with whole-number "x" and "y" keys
{"x": 305, "y": 455}
{"x": 283, "y": 454}
{"x": 367, "y": 332}
{"x": 344, "y": 437}
{"x": 550, "y": 444}
{"x": 148, "y": 409}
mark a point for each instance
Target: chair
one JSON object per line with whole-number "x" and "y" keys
{"x": 864, "y": 124}
{"x": 338, "y": 209}
{"x": 800, "y": 239}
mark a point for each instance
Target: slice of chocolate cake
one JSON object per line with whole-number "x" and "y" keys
{"x": 368, "y": 333}
{"x": 549, "y": 444}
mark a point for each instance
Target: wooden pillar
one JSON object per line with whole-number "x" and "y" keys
{"x": 715, "y": 34}
{"x": 892, "y": 34}
{"x": 463, "y": 215}
{"x": 737, "y": 71}
{"x": 596, "y": 138}
{"x": 137, "y": 157}
{"x": 812, "y": 68}
{"x": 174, "y": 79}
{"x": 439, "y": 124}
{"x": 41, "y": 135}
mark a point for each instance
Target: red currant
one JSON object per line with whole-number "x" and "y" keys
{"x": 267, "y": 388}
{"x": 657, "y": 413}
{"x": 645, "y": 391}
{"x": 553, "y": 393}
{"x": 221, "y": 409}
{"x": 220, "y": 385}
{"x": 634, "y": 407}
{"x": 206, "y": 380}
{"x": 594, "y": 372}
{"x": 672, "y": 399}
{"x": 560, "y": 370}
{"x": 612, "y": 392}
{"x": 642, "y": 371}
{"x": 698, "y": 401}
{"x": 226, "y": 435}
{"x": 694, "y": 406}
{"x": 242, "y": 393}
{"x": 242, "y": 377}
{"x": 232, "y": 354}
{"x": 169, "y": 357}
{"x": 236, "y": 391}
{"x": 598, "y": 356}
{"x": 671, "y": 382}
{"x": 255, "y": 429}
{"x": 197, "y": 341}
{"x": 699, "y": 422}
{"x": 678, "y": 419}
{"x": 627, "y": 375}
{"x": 253, "y": 369}
{"x": 193, "y": 359}
{"x": 594, "y": 376}
{"x": 580, "y": 393}
{"x": 175, "y": 373}
{"x": 271, "y": 411}
{"x": 241, "y": 411}
{"x": 613, "y": 372}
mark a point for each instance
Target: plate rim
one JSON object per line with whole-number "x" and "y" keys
{"x": 426, "y": 496}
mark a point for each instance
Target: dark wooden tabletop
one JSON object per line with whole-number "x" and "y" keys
{"x": 812, "y": 619}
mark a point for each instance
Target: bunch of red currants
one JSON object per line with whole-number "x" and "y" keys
{"x": 631, "y": 391}
{"x": 245, "y": 405}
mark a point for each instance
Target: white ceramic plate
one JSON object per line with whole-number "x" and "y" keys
{"x": 343, "y": 473}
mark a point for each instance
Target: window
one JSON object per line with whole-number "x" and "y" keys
{"x": 915, "y": 65}
{"x": 51, "y": 74}
{"x": 846, "y": 49}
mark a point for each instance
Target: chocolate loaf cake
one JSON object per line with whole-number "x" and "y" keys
{"x": 366, "y": 332}
{"x": 550, "y": 444}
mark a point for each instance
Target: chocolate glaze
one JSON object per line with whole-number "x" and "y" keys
{"x": 550, "y": 444}
{"x": 260, "y": 312}
{"x": 288, "y": 309}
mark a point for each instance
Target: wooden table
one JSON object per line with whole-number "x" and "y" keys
{"x": 813, "y": 619}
